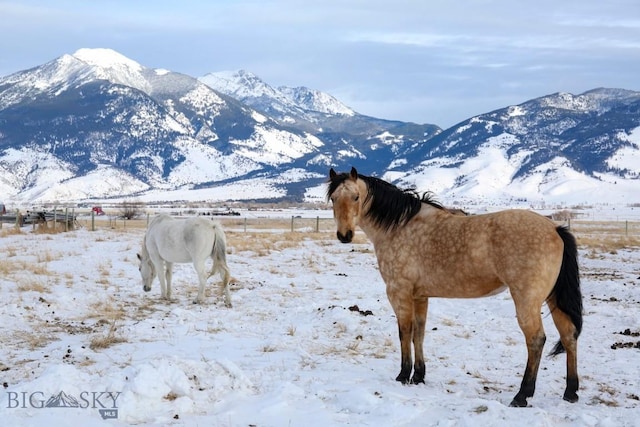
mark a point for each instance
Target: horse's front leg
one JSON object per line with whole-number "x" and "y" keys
{"x": 162, "y": 277}
{"x": 169, "y": 277}
{"x": 403, "y": 308}
{"x": 420, "y": 320}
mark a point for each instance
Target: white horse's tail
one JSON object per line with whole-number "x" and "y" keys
{"x": 219, "y": 250}
{"x": 219, "y": 255}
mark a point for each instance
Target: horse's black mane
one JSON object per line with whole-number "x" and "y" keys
{"x": 390, "y": 206}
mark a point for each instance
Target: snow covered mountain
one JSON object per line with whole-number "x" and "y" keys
{"x": 97, "y": 125}
{"x": 561, "y": 147}
{"x": 299, "y": 106}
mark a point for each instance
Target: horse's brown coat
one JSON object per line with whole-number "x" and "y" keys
{"x": 439, "y": 254}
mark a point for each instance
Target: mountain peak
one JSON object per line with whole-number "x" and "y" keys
{"x": 106, "y": 58}
{"x": 110, "y": 65}
{"x": 240, "y": 84}
{"x": 284, "y": 102}
{"x": 315, "y": 100}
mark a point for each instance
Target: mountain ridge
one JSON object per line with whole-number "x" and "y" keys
{"x": 98, "y": 125}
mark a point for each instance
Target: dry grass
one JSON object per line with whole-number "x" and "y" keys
{"x": 607, "y": 243}
{"x": 606, "y": 237}
{"x": 28, "y": 276}
{"x": 32, "y": 284}
{"x": 269, "y": 348}
{"x": 35, "y": 341}
{"x": 52, "y": 228}
{"x": 47, "y": 256}
{"x": 107, "y": 310}
{"x": 10, "y": 251}
{"x": 264, "y": 243}
{"x": 106, "y": 341}
{"x": 9, "y": 231}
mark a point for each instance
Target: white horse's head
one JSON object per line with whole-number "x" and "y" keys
{"x": 146, "y": 268}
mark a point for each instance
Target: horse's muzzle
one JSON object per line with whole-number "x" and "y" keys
{"x": 146, "y": 288}
{"x": 345, "y": 238}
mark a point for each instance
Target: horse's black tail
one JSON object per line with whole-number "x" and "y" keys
{"x": 566, "y": 292}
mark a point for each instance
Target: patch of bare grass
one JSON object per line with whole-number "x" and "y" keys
{"x": 10, "y": 251}
{"x": 607, "y": 243}
{"x": 269, "y": 348}
{"x": 607, "y": 236}
{"x": 106, "y": 310}
{"x": 105, "y": 341}
{"x": 35, "y": 341}
{"x": 9, "y": 231}
{"x": 47, "y": 256}
{"x": 32, "y": 284}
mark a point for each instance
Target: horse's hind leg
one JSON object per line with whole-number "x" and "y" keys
{"x": 226, "y": 277}
{"x": 221, "y": 266}
{"x": 202, "y": 280}
{"x": 530, "y": 322}
{"x": 569, "y": 341}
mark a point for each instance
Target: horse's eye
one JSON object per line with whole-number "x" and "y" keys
{"x": 355, "y": 199}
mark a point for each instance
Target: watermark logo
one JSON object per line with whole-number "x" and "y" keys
{"x": 106, "y": 402}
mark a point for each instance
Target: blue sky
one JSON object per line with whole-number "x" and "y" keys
{"x": 435, "y": 61}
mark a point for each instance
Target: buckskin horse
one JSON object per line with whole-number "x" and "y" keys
{"x": 425, "y": 251}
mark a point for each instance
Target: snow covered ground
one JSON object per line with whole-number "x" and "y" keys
{"x": 310, "y": 341}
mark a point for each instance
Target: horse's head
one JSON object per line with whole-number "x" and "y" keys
{"x": 347, "y": 198}
{"x": 146, "y": 268}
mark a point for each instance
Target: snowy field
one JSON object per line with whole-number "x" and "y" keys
{"x": 310, "y": 341}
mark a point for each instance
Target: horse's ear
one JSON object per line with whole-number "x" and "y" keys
{"x": 354, "y": 173}
{"x": 332, "y": 174}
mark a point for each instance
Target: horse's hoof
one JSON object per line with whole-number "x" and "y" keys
{"x": 403, "y": 379}
{"x": 517, "y": 403}
{"x": 415, "y": 380}
{"x": 570, "y": 397}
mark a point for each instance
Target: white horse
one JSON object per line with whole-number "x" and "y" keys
{"x": 170, "y": 240}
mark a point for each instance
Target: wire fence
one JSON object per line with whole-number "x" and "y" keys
{"x": 279, "y": 223}
{"x": 316, "y": 224}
